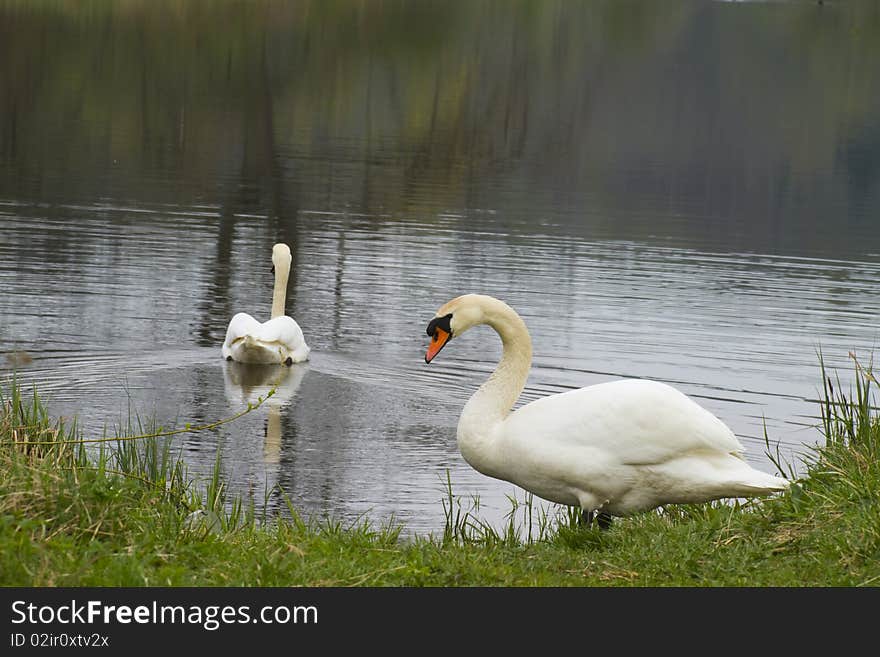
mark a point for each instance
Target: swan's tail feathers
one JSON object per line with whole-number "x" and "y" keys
{"x": 764, "y": 484}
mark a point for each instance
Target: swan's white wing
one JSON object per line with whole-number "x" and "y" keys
{"x": 634, "y": 422}
{"x": 286, "y": 332}
{"x": 240, "y": 325}
{"x": 283, "y": 330}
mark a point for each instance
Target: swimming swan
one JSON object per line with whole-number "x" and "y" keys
{"x": 280, "y": 340}
{"x": 615, "y": 448}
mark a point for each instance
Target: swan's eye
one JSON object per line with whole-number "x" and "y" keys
{"x": 441, "y": 323}
{"x": 273, "y": 269}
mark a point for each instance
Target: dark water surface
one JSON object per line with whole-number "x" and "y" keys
{"x": 687, "y": 192}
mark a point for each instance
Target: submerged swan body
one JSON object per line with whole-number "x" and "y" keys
{"x": 618, "y": 448}
{"x": 279, "y": 340}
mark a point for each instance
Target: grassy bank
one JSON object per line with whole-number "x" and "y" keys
{"x": 125, "y": 513}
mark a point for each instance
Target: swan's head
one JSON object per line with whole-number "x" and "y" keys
{"x": 281, "y": 258}
{"x": 452, "y": 319}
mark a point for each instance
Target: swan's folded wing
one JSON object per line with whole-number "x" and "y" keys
{"x": 283, "y": 330}
{"x": 635, "y": 422}
{"x": 240, "y": 325}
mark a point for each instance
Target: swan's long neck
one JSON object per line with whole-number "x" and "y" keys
{"x": 492, "y": 402}
{"x": 279, "y": 293}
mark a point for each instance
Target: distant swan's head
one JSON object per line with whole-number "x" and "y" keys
{"x": 281, "y": 258}
{"x": 454, "y": 318}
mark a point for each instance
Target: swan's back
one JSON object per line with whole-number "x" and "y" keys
{"x": 636, "y": 421}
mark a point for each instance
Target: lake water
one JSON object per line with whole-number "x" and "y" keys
{"x": 686, "y": 193}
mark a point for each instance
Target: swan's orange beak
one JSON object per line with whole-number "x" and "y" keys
{"x": 438, "y": 341}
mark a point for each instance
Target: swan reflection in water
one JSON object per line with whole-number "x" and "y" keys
{"x": 247, "y": 384}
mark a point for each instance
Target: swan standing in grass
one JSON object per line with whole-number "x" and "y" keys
{"x": 613, "y": 448}
{"x": 280, "y": 340}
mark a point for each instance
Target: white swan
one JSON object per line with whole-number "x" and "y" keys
{"x": 616, "y": 448}
{"x": 280, "y": 340}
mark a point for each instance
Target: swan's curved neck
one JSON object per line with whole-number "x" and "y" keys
{"x": 493, "y": 401}
{"x": 279, "y": 293}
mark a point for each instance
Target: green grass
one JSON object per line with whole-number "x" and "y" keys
{"x": 124, "y": 512}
